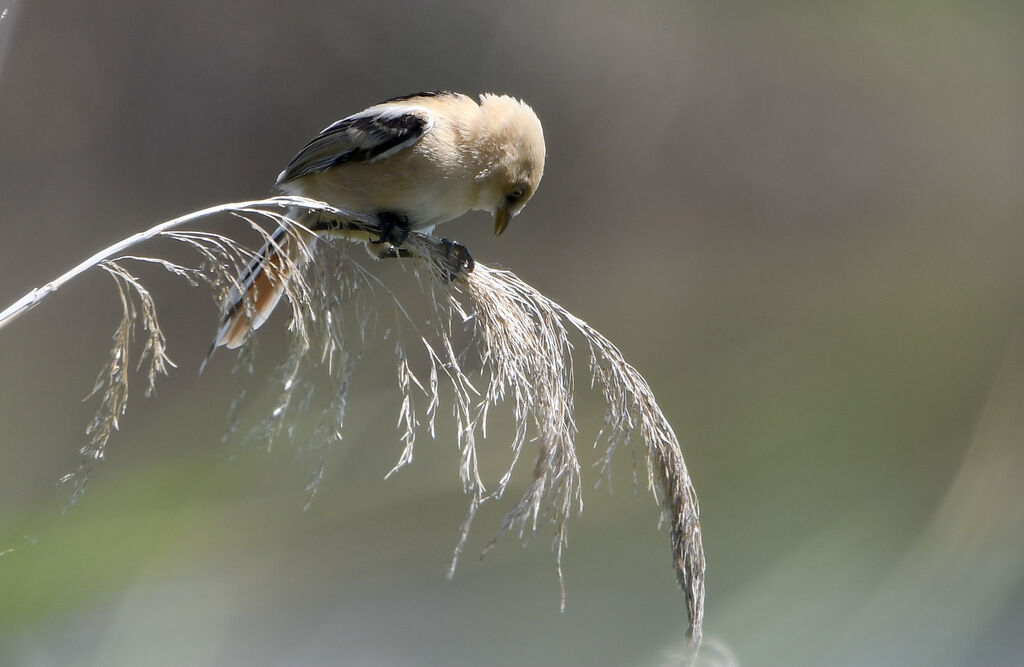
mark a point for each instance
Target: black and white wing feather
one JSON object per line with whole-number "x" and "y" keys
{"x": 368, "y": 136}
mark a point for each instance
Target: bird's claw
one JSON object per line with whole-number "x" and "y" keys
{"x": 457, "y": 260}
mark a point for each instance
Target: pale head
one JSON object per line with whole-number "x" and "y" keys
{"x": 513, "y": 147}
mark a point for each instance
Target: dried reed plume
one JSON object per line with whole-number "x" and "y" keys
{"x": 516, "y": 341}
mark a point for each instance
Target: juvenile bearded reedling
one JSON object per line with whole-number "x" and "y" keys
{"x": 413, "y": 162}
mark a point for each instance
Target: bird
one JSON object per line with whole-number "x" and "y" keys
{"x": 412, "y": 162}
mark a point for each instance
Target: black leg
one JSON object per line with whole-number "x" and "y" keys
{"x": 394, "y": 229}
{"x": 457, "y": 260}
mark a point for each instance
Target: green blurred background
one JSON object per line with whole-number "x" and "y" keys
{"x": 800, "y": 221}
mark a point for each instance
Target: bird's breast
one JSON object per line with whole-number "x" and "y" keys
{"x": 426, "y": 189}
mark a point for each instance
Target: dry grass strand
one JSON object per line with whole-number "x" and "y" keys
{"x": 520, "y": 341}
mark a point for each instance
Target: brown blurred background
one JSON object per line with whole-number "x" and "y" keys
{"x": 802, "y": 223}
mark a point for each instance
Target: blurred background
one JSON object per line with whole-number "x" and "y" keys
{"x": 800, "y": 221}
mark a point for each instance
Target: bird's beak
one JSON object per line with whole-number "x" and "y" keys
{"x": 501, "y": 219}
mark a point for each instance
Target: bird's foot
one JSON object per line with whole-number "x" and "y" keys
{"x": 457, "y": 260}
{"x": 394, "y": 229}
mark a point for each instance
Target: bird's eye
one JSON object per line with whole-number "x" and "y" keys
{"x": 517, "y": 193}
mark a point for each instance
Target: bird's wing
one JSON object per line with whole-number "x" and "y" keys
{"x": 368, "y": 136}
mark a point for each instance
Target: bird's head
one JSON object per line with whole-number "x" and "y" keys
{"x": 514, "y": 148}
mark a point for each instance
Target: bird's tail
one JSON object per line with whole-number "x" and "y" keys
{"x": 261, "y": 285}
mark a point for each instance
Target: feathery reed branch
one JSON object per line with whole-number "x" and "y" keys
{"x": 519, "y": 339}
